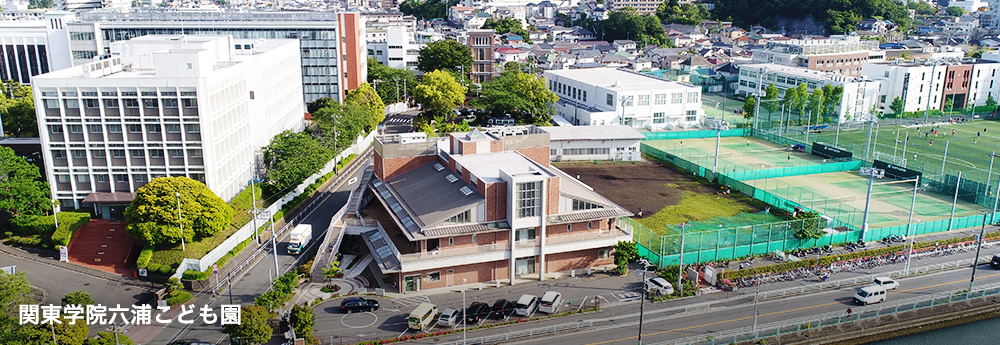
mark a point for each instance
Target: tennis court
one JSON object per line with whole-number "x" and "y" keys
{"x": 736, "y": 153}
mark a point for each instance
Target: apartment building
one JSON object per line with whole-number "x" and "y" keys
{"x": 166, "y": 105}
{"x": 483, "y": 206}
{"x": 606, "y": 96}
{"x": 482, "y": 42}
{"x": 33, "y": 43}
{"x": 86, "y": 5}
{"x": 930, "y": 84}
{"x": 377, "y": 24}
{"x": 840, "y": 54}
{"x": 857, "y": 100}
{"x": 333, "y": 46}
{"x": 400, "y": 47}
{"x": 641, "y": 6}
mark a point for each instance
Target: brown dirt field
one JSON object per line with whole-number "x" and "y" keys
{"x": 643, "y": 184}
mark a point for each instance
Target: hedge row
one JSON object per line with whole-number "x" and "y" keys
{"x": 144, "y": 256}
{"x": 178, "y": 297}
{"x": 68, "y": 223}
{"x": 195, "y": 275}
{"x": 43, "y": 225}
{"x": 155, "y": 268}
{"x": 827, "y": 260}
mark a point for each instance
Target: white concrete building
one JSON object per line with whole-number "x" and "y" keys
{"x": 32, "y": 43}
{"x": 195, "y": 106}
{"x": 587, "y": 143}
{"x": 605, "y": 96}
{"x": 86, "y": 5}
{"x": 399, "y": 49}
{"x": 839, "y": 53}
{"x": 923, "y": 84}
{"x": 970, "y": 6}
{"x": 857, "y": 100}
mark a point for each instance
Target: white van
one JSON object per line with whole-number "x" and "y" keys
{"x": 870, "y": 294}
{"x": 550, "y": 303}
{"x": 422, "y": 316}
{"x": 526, "y": 305}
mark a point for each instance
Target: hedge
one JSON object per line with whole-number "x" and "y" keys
{"x": 178, "y": 297}
{"x": 195, "y": 275}
{"x": 43, "y": 225}
{"x": 827, "y": 260}
{"x": 68, "y": 223}
{"x": 144, "y": 256}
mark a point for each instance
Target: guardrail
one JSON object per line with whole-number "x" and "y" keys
{"x": 831, "y": 318}
{"x": 765, "y": 295}
{"x": 526, "y": 334}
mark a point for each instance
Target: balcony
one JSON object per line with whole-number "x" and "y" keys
{"x": 458, "y": 251}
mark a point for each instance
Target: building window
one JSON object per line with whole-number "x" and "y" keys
{"x": 156, "y": 153}
{"x": 62, "y": 178}
{"x": 137, "y": 154}
{"x": 434, "y": 276}
{"x": 75, "y": 128}
{"x": 173, "y": 128}
{"x": 676, "y": 98}
{"x": 55, "y": 129}
{"x": 59, "y": 154}
{"x": 194, "y": 153}
{"x": 134, "y": 128}
{"x": 139, "y": 178}
{"x": 170, "y": 103}
{"x": 661, "y": 99}
{"x": 121, "y": 178}
{"x": 590, "y": 225}
{"x": 524, "y": 235}
{"x": 72, "y": 104}
{"x": 603, "y": 253}
{"x": 83, "y": 178}
{"x": 150, "y": 103}
{"x": 117, "y": 153}
{"x": 114, "y": 128}
{"x": 91, "y": 103}
{"x": 693, "y": 97}
{"x": 569, "y": 227}
{"x": 193, "y": 128}
{"x": 659, "y": 117}
{"x": 95, "y": 128}
{"x": 643, "y": 99}
{"x": 153, "y": 128}
{"x": 474, "y": 238}
{"x": 529, "y": 199}
{"x": 99, "y": 153}
{"x": 583, "y": 205}
{"x": 79, "y": 154}
{"x": 692, "y": 115}
{"x": 611, "y": 99}
{"x": 131, "y": 103}
{"x": 190, "y": 102}
{"x": 176, "y": 153}
{"x": 101, "y": 178}
{"x": 628, "y": 102}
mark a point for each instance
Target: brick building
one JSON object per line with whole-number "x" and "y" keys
{"x": 473, "y": 205}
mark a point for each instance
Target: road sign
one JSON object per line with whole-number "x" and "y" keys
{"x": 215, "y": 269}
{"x": 142, "y": 272}
{"x": 63, "y": 253}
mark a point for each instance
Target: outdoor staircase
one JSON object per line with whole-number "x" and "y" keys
{"x": 359, "y": 267}
{"x": 102, "y": 244}
{"x": 358, "y": 197}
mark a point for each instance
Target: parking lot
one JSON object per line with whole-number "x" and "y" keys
{"x": 390, "y": 319}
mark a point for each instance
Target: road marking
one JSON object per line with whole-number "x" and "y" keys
{"x": 342, "y": 320}
{"x": 410, "y": 301}
{"x": 775, "y": 313}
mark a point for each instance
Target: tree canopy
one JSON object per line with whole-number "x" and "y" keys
{"x": 392, "y": 84}
{"x": 364, "y": 96}
{"x": 838, "y": 16}
{"x": 438, "y": 93}
{"x": 17, "y": 107}
{"x": 17, "y": 291}
{"x": 22, "y": 192}
{"x": 340, "y": 123}
{"x": 749, "y": 107}
{"x": 688, "y": 14}
{"x": 324, "y": 102}
{"x": 427, "y": 9}
{"x": 152, "y": 217}
{"x": 253, "y": 327}
{"x": 897, "y": 106}
{"x": 291, "y": 157}
{"x": 515, "y": 91}
{"x": 628, "y": 24}
{"x": 955, "y": 11}
{"x": 507, "y": 25}
{"x": 921, "y": 7}
{"x": 445, "y": 55}
{"x": 77, "y": 298}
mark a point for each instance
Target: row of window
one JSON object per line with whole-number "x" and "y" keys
{"x": 567, "y": 90}
{"x": 587, "y": 151}
{"x": 132, "y": 128}
{"x": 120, "y": 178}
{"x": 659, "y": 99}
{"x": 120, "y": 153}
{"x": 90, "y": 103}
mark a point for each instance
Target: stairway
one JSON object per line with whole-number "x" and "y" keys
{"x": 102, "y": 244}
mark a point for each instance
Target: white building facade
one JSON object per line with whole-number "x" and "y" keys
{"x": 605, "y": 96}
{"x": 928, "y": 84}
{"x": 399, "y": 49}
{"x": 195, "y": 106}
{"x": 857, "y": 100}
{"x": 590, "y": 143}
{"x": 32, "y": 43}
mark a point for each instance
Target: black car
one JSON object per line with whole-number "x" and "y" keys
{"x": 995, "y": 262}
{"x": 353, "y": 304}
{"x": 502, "y": 309}
{"x": 477, "y": 311}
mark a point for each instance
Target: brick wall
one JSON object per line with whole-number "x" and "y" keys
{"x": 575, "y": 260}
{"x": 552, "y": 199}
{"x": 468, "y": 148}
{"x": 392, "y": 167}
{"x": 475, "y": 273}
{"x": 539, "y": 154}
{"x": 378, "y": 166}
{"x": 496, "y": 146}
{"x": 496, "y": 200}
{"x": 579, "y": 227}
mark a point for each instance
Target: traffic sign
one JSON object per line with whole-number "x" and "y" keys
{"x": 142, "y": 272}
{"x": 215, "y": 269}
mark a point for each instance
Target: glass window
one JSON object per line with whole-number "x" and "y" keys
{"x": 193, "y": 128}
{"x": 111, "y": 103}
{"x": 170, "y": 103}
{"x": 59, "y": 154}
{"x": 131, "y": 103}
{"x": 529, "y": 199}
{"x": 611, "y": 99}
{"x": 661, "y": 99}
{"x": 150, "y": 103}
{"x": 190, "y": 102}
{"x": 643, "y": 99}
{"x": 137, "y": 154}
{"x": 153, "y": 128}
{"x": 95, "y": 128}
{"x": 676, "y": 98}
{"x": 176, "y": 153}
{"x": 114, "y": 128}
{"x": 659, "y": 117}
{"x": 91, "y": 103}
{"x": 173, "y": 128}
{"x": 693, "y": 97}
{"x": 156, "y": 153}
{"x": 55, "y": 129}
{"x": 75, "y": 128}
{"x": 99, "y": 153}
{"x": 117, "y": 153}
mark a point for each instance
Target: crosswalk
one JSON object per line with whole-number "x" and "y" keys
{"x": 411, "y": 301}
{"x": 399, "y": 120}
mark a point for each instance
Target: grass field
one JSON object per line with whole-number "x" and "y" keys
{"x": 967, "y": 152}
{"x": 739, "y": 153}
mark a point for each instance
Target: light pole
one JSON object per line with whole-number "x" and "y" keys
{"x": 274, "y": 245}
{"x": 55, "y": 217}
{"x": 979, "y": 247}
{"x": 181, "y": 224}
{"x": 754, "y": 329}
{"x": 868, "y": 200}
{"x": 642, "y": 305}
{"x": 465, "y": 327}
{"x": 989, "y": 175}
{"x": 719, "y": 127}
{"x": 760, "y": 80}
{"x": 680, "y": 264}
{"x": 909, "y": 226}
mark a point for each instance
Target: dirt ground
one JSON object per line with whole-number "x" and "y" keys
{"x": 643, "y": 184}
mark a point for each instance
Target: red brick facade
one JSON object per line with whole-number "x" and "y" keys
{"x": 580, "y": 259}
{"x": 539, "y": 154}
{"x": 388, "y": 168}
{"x": 496, "y": 200}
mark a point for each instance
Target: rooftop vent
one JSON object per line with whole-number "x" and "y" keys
{"x": 451, "y": 178}
{"x": 465, "y": 191}
{"x": 438, "y": 166}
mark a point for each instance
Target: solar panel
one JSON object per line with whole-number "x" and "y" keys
{"x": 451, "y": 178}
{"x": 375, "y": 236}
{"x": 383, "y": 252}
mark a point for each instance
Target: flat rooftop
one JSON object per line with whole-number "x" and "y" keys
{"x": 487, "y": 166}
{"x": 562, "y": 133}
{"x": 616, "y": 79}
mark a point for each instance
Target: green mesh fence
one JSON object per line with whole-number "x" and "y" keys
{"x": 671, "y": 135}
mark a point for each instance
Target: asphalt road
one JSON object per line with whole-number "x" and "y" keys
{"x": 256, "y": 279}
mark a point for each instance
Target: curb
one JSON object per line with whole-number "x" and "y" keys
{"x": 72, "y": 267}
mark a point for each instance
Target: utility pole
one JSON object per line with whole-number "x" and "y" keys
{"x": 253, "y": 200}
{"x": 465, "y": 327}
{"x": 989, "y": 175}
{"x": 979, "y": 247}
{"x": 642, "y": 305}
{"x": 909, "y": 226}
{"x": 930, "y": 91}
{"x": 680, "y": 264}
{"x": 755, "y": 299}
{"x": 760, "y": 80}
{"x": 954, "y": 202}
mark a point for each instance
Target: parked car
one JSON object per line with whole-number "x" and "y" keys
{"x": 450, "y": 317}
{"x": 355, "y": 304}
{"x": 995, "y": 263}
{"x": 526, "y": 305}
{"x": 502, "y": 309}
{"x": 657, "y": 285}
{"x": 870, "y": 294}
{"x": 886, "y": 283}
{"x": 477, "y": 312}
{"x": 550, "y": 303}
{"x": 422, "y": 316}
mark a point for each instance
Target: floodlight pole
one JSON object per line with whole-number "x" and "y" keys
{"x": 989, "y": 174}
{"x": 906, "y": 140}
{"x": 719, "y": 126}
{"x": 875, "y": 143}
{"x": 909, "y": 226}
{"x": 979, "y": 247}
{"x": 868, "y": 202}
{"x": 642, "y": 304}
{"x": 760, "y": 81}
{"x": 869, "y": 144}
{"x": 680, "y": 264}
{"x": 954, "y": 202}
{"x": 836, "y": 140}
{"x": 943, "y": 160}
{"x": 996, "y": 201}
{"x": 755, "y": 299}
{"x": 895, "y": 145}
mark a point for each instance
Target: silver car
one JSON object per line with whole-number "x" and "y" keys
{"x": 450, "y": 317}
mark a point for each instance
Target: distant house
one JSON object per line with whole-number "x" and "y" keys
{"x": 509, "y": 54}
{"x": 641, "y": 64}
{"x": 624, "y": 45}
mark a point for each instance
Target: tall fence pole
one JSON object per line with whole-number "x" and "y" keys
{"x": 868, "y": 203}
{"x": 875, "y": 142}
{"x": 836, "y": 140}
{"x": 944, "y": 159}
{"x": 989, "y": 174}
{"x": 680, "y": 263}
{"x": 895, "y": 145}
{"x": 909, "y": 226}
{"x": 996, "y": 201}
{"x": 954, "y": 202}
{"x": 869, "y": 144}
{"x": 906, "y": 140}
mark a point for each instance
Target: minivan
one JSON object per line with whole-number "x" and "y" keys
{"x": 550, "y": 303}
{"x": 526, "y": 305}
{"x": 422, "y": 316}
{"x": 450, "y": 317}
{"x": 870, "y": 294}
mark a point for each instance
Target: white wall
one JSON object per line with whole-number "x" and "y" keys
{"x": 627, "y": 150}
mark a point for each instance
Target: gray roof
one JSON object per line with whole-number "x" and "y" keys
{"x": 557, "y": 133}
{"x": 429, "y": 197}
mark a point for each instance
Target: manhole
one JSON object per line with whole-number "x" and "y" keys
{"x": 128, "y": 289}
{"x": 86, "y": 284}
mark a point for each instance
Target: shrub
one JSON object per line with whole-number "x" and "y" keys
{"x": 43, "y": 225}
{"x": 166, "y": 269}
{"x": 305, "y": 269}
{"x": 32, "y": 225}
{"x": 195, "y": 275}
{"x": 153, "y": 267}
{"x": 178, "y": 297}
{"x": 144, "y": 256}
{"x": 68, "y": 223}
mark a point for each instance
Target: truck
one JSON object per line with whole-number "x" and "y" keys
{"x": 299, "y": 238}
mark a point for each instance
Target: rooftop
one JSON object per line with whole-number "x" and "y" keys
{"x": 557, "y": 133}
{"x": 800, "y": 72}
{"x": 487, "y": 166}
{"x": 617, "y": 79}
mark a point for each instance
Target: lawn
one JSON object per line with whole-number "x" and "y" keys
{"x": 693, "y": 207}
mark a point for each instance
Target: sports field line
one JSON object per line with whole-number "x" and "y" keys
{"x": 941, "y": 156}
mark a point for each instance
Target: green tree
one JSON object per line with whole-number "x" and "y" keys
{"x": 801, "y": 100}
{"x": 152, "y": 217}
{"x": 22, "y": 192}
{"x": 628, "y": 24}
{"x": 291, "y": 157}
{"x": 838, "y": 16}
{"x": 749, "y": 107}
{"x": 990, "y": 102}
{"x": 897, "y": 107}
{"x": 816, "y": 106}
{"x": 507, "y": 25}
{"x": 16, "y": 291}
{"x": 771, "y": 94}
{"x": 333, "y": 271}
{"x": 426, "y": 9}
{"x": 392, "y": 84}
{"x": 17, "y": 108}
{"x": 107, "y": 338}
{"x": 955, "y": 11}
{"x": 687, "y": 14}
{"x": 445, "y": 55}
{"x": 303, "y": 320}
{"x": 831, "y": 98}
{"x": 77, "y": 298}
{"x": 337, "y": 126}
{"x": 806, "y": 225}
{"x": 438, "y": 93}
{"x": 365, "y": 97}
{"x": 922, "y": 8}
{"x": 253, "y": 327}
{"x": 65, "y": 333}
{"x": 624, "y": 253}
{"x": 324, "y": 102}
{"x": 949, "y": 104}
{"x": 515, "y": 91}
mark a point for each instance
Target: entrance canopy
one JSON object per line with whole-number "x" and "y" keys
{"x": 104, "y": 198}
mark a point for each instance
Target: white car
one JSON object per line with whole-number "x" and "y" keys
{"x": 659, "y": 285}
{"x": 886, "y": 283}
{"x": 450, "y": 317}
